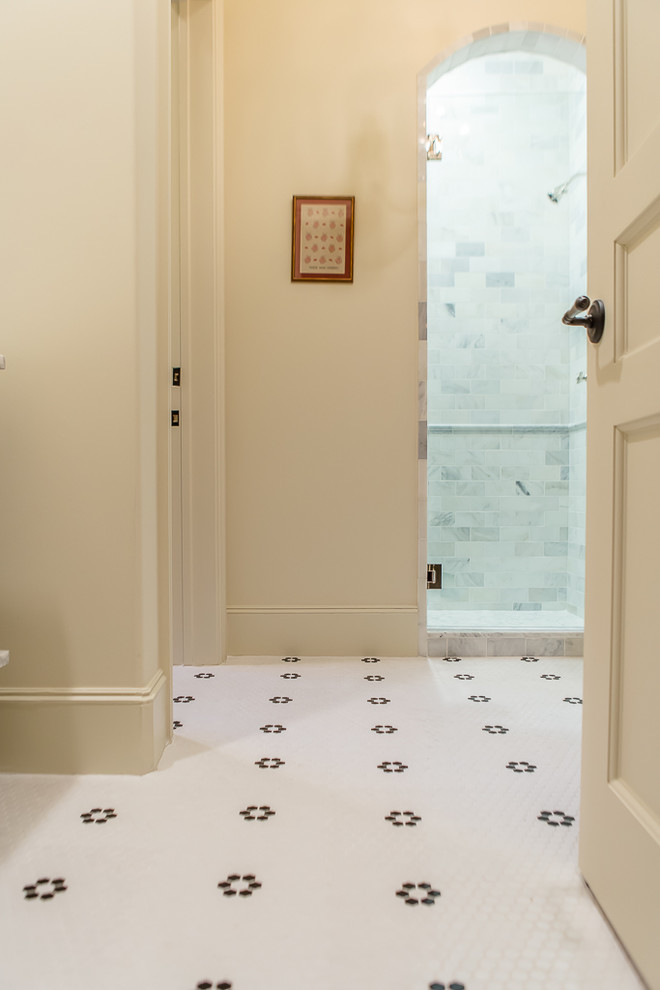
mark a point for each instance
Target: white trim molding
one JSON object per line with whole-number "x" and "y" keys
{"x": 296, "y": 631}
{"x": 84, "y": 730}
{"x": 320, "y": 609}
{"x": 200, "y": 553}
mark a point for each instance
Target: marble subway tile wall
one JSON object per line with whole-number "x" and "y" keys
{"x": 498, "y": 517}
{"x": 503, "y": 448}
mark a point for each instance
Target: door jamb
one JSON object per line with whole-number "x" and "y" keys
{"x": 201, "y": 394}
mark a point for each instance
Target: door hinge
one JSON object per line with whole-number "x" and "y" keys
{"x": 434, "y": 576}
{"x": 176, "y": 376}
{"x": 175, "y": 417}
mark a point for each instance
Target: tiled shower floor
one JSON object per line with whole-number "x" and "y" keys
{"x": 366, "y": 824}
{"x": 463, "y": 620}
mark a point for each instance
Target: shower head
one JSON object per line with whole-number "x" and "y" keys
{"x": 557, "y": 193}
{"x": 562, "y": 188}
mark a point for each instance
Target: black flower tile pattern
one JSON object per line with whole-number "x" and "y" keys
{"x": 98, "y": 815}
{"x": 241, "y": 886}
{"x": 44, "y": 889}
{"x": 551, "y": 677}
{"x": 556, "y": 818}
{"x": 379, "y": 701}
{"x": 329, "y": 743}
{"x": 290, "y": 659}
{"x": 530, "y": 659}
{"x": 478, "y": 697}
{"x": 418, "y": 893}
{"x": 464, "y": 677}
{"x": 204, "y": 675}
{"x": 370, "y": 659}
{"x": 183, "y": 699}
{"x": 257, "y": 813}
{"x": 176, "y": 724}
{"x": 401, "y": 819}
{"x": 280, "y": 700}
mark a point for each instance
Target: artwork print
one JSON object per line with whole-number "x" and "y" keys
{"x": 322, "y": 238}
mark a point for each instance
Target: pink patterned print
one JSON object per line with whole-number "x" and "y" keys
{"x": 325, "y": 239}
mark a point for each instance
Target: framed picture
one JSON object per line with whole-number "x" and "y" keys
{"x": 322, "y": 238}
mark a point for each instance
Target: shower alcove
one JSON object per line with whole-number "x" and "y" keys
{"x": 505, "y": 245}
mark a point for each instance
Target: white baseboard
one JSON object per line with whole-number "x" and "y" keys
{"x": 85, "y": 730}
{"x": 367, "y": 631}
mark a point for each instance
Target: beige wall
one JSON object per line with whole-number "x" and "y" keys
{"x": 83, "y": 536}
{"x": 321, "y": 379}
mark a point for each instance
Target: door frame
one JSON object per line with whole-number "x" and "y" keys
{"x": 200, "y": 561}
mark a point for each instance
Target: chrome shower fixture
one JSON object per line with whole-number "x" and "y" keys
{"x": 562, "y": 188}
{"x": 433, "y": 148}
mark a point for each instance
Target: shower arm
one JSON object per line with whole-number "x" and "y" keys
{"x": 560, "y": 191}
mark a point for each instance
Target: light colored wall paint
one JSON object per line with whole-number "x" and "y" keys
{"x": 321, "y": 379}
{"x": 83, "y": 518}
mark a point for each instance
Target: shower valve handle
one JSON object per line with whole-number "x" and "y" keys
{"x": 593, "y": 322}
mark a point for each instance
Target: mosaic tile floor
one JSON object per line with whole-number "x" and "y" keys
{"x": 367, "y": 824}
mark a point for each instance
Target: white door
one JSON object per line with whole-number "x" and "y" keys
{"x": 620, "y": 817}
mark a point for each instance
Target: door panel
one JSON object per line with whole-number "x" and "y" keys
{"x": 637, "y": 255}
{"x": 635, "y": 730}
{"x": 637, "y": 73}
{"x": 620, "y": 817}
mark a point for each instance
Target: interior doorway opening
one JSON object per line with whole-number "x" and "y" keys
{"x": 505, "y": 213}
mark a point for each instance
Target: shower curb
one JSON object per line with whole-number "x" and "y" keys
{"x": 505, "y": 644}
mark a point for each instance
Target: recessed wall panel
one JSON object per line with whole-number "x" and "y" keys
{"x": 638, "y": 284}
{"x": 637, "y": 74}
{"x": 636, "y": 709}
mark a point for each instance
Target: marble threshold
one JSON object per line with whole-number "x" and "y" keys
{"x": 491, "y": 633}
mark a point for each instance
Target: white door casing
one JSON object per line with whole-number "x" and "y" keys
{"x": 196, "y": 337}
{"x": 175, "y": 480}
{"x": 620, "y": 810}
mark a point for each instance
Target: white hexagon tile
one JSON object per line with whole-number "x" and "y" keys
{"x": 336, "y": 824}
